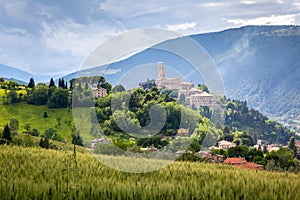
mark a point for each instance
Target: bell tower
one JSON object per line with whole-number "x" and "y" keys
{"x": 161, "y": 73}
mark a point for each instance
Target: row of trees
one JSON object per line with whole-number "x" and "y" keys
{"x": 40, "y": 94}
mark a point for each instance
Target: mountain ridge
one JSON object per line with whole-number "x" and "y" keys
{"x": 12, "y": 73}
{"x": 258, "y": 64}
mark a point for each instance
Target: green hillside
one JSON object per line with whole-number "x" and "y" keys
{"x": 33, "y": 115}
{"x": 60, "y": 119}
{"x": 34, "y": 173}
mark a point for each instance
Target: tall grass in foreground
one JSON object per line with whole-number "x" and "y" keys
{"x": 34, "y": 173}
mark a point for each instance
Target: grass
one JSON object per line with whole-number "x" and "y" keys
{"x": 33, "y": 115}
{"x": 34, "y": 173}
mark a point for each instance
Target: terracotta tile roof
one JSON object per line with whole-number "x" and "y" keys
{"x": 251, "y": 165}
{"x": 241, "y": 162}
{"x": 234, "y": 160}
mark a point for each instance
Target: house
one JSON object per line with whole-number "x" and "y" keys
{"x": 183, "y": 132}
{"x": 241, "y": 162}
{"x": 225, "y": 144}
{"x": 94, "y": 142}
{"x": 148, "y": 149}
{"x": 273, "y": 147}
{"x": 99, "y": 92}
{"x": 258, "y": 145}
{"x": 209, "y": 156}
{"x": 203, "y": 99}
{"x": 235, "y": 161}
{"x": 251, "y": 165}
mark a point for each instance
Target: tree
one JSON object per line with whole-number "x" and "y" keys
{"x": 52, "y": 134}
{"x": 182, "y": 99}
{"x": 45, "y": 115}
{"x": 59, "y": 99}
{"x": 34, "y": 132}
{"x": 14, "y": 124}
{"x": 292, "y": 146}
{"x": 6, "y": 135}
{"x": 203, "y": 87}
{"x": 118, "y": 88}
{"x": 79, "y": 88}
{"x": 77, "y": 139}
{"x": 71, "y": 84}
{"x": 27, "y": 127}
{"x": 13, "y": 96}
{"x": 51, "y": 84}
{"x": 239, "y": 151}
{"x": 31, "y": 83}
{"x": 44, "y": 143}
{"x": 63, "y": 86}
{"x": 39, "y": 95}
{"x": 283, "y": 158}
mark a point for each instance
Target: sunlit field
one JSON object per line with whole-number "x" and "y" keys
{"x": 34, "y": 173}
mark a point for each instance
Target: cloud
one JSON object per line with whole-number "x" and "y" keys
{"x": 271, "y": 20}
{"x": 184, "y": 26}
{"x": 214, "y": 4}
{"x": 54, "y": 37}
{"x": 296, "y": 4}
{"x": 249, "y": 2}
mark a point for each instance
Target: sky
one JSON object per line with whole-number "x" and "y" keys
{"x": 54, "y": 37}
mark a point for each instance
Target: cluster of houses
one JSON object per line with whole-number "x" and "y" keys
{"x": 238, "y": 162}
{"x": 194, "y": 96}
{"x": 215, "y": 158}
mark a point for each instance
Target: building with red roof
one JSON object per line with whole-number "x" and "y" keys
{"x": 241, "y": 162}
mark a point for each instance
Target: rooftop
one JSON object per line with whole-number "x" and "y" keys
{"x": 234, "y": 160}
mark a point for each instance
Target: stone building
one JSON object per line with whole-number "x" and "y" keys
{"x": 99, "y": 92}
{"x": 191, "y": 94}
{"x": 163, "y": 82}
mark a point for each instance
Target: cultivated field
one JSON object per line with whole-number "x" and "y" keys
{"x": 34, "y": 173}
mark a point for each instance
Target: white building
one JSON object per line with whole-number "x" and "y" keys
{"x": 203, "y": 99}
{"x": 225, "y": 144}
{"x": 99, "y": 92}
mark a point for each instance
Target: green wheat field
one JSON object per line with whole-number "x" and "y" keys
{"x": 35, "y": 173}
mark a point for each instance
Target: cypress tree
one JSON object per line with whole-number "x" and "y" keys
{"x": 6, "y": 134}
{"x": 59, "y": 82}
{"x": 63, "y": 83}
{"x": 51, "y": 84}
{"x": 31, "y": 83}
{"x": 292, "y": 146}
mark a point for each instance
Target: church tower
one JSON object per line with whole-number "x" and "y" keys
{"x": 161, "y": 73}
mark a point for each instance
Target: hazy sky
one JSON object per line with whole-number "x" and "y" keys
{"x": 54, "y": 37}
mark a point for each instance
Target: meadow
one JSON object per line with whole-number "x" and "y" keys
{"x": 35, "y": 173}
{"x": 60, "y": 119}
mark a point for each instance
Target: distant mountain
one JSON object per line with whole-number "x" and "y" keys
{"x": 14, "y": 73}
{"x": 16, "y": 80}
{"x": 259, "y": 64}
